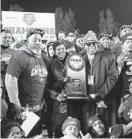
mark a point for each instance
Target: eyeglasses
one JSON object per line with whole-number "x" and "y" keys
{"x": 91, "y": 43}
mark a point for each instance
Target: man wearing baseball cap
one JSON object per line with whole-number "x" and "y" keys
{"x": 26, "y": 78}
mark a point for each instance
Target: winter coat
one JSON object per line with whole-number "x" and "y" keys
{"x": 57, "y": 73}
{"x": 105, "y": 77}
{"x": 104, "y": 71}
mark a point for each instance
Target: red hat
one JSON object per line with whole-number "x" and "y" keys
{"x": 71, "y": 121}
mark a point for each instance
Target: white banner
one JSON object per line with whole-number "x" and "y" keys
{"x": 20, "y": 22}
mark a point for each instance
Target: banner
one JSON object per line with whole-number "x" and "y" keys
{"x": 20, "y": 22}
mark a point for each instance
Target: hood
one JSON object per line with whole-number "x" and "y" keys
{"x": 27, "y": 50}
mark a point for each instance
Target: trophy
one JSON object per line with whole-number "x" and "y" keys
{"x": 76, "y": 74}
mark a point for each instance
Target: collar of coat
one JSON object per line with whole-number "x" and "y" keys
{"x": 97, "y": 57}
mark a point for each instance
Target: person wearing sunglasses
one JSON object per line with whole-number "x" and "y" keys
{"x": 101, "y": 75}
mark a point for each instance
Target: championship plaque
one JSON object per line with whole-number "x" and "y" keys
{"x": 76, "y": 73}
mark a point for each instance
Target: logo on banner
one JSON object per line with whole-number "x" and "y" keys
{"x": 75, "y": 62}
{"x": 29, "y": 19}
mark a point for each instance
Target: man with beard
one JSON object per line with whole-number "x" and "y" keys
{"x": 6, "y": 54}
{"x": 101, "y": 74}
{"x": 26, "y": 79}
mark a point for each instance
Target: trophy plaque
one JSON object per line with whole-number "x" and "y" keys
{"x": 76, "y": 74}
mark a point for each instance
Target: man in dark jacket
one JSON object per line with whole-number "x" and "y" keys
{"x": 101, "y": 75}
{"x": 106, "y": 47}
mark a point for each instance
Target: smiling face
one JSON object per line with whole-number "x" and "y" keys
{"x": 71, "y": 130}
{"x": 60, "y": 51}
{"x": 98, "y": 128}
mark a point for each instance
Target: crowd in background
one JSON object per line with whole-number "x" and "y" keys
{"x": 34, "y": 77}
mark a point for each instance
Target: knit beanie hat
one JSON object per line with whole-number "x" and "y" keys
{"x": 105, "y": 35}
{"x": 116, "y": 131}
{"x": 71, "y": 121}
{"x": 92, "y": 119}
{"x": 89, "y": 37}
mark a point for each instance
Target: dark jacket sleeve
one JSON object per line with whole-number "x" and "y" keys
{"x": 110, "y": 80}
{"x": 53, "y": 83}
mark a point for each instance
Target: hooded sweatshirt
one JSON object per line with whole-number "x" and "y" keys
{"x": 31, "y": 73}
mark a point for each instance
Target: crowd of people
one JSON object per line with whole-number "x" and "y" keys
{"x": 34, "y": 78}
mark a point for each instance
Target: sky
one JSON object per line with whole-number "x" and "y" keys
{"x": 86, "y": 11}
